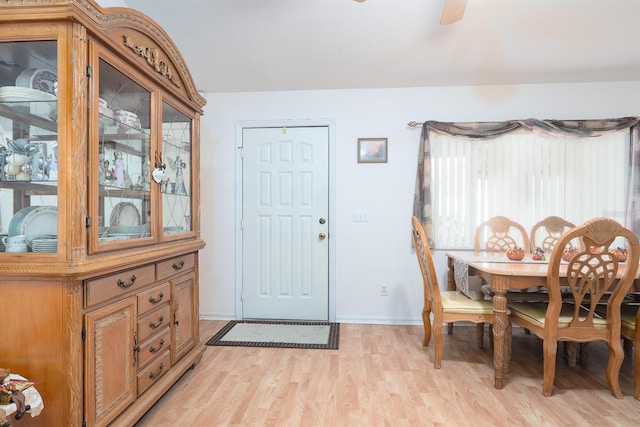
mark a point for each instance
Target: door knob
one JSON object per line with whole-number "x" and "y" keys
{"x": 322, "y": 236}
{"x": 322, "y": 221}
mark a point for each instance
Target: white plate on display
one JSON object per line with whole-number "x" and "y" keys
{"x": 41, "y": 79}
{"x": 35, "y": 221}
{"x": 40, "y": 103}
{"x": 22, "y": 94}
{"x": 125, "y": 214}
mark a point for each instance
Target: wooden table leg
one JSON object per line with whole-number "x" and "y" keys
{"x": 451, "y": 286}
{"x": 500, "y": 324}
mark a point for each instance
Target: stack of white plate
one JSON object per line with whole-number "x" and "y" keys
{"x": 22, "y": 94}
{"x": 2, "y": 248}
{"x": 44, "y": 245}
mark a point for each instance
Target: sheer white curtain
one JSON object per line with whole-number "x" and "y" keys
{"x": 525, "y": 176}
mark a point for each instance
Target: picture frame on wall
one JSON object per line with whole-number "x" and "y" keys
{"x": 372, "y": 150}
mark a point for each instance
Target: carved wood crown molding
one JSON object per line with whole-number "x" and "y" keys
{"x": 152, "y": 56}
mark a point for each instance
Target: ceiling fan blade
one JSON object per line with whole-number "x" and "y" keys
{"x": 453, "y": 11}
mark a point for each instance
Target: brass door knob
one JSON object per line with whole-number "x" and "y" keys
{"x": 322, "y": 236}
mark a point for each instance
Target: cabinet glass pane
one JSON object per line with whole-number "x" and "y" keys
{"x": 124, "y": 205}
{"x": 28, "y": 147}
{"x": 176, "y": 184}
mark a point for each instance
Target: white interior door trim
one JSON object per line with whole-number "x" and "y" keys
{"x": 330, "y": 123}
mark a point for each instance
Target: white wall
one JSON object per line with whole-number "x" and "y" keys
{"x": 379, "y": 251}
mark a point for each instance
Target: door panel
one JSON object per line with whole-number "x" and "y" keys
{"x": 285, "y": 202}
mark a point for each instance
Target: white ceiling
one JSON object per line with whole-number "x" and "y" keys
{"x": 267, "y": 45}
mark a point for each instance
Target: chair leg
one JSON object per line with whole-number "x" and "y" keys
{"x": 616, "y": 357}
{"x": 426, "y": 320}
{"x": 437, "y": 337}
{"x": 480, "y": 334}
{"x": 571, "y": 353}
{"x": 550, "y": 349}
{"x": 636, "y": 371}
{"x": 584, "y": 353}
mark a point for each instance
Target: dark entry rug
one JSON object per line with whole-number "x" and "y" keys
{"x": 268, "y": 333}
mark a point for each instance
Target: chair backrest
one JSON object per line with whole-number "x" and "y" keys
{"x": 594, "y": 275}
{"x": 500, "y": 233}
{"x": 425, "y": 260}
{"x": 549, "y": 231}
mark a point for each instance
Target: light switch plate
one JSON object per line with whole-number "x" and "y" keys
{"x": 360, "y": 216}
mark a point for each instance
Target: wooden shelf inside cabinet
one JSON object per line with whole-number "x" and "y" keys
{"x": 31, "y": 119}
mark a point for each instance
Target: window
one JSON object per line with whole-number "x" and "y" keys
{"x": 525, "y": 176}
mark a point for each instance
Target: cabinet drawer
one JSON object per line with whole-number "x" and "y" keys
{"x": 148, "y": 300}
{"x": 176, "y": 265}
{"x": 155, "y": 370}
{"x": 153, "y": 322}
{"x": 117, "y": 284}
{"x": 154, "y": 346}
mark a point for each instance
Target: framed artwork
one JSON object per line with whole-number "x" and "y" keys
{"x": 372, "y": 150}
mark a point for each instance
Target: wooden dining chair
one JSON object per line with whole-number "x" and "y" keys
{"x": 544, "y": 234}
{"x": 499, "y": 233}
{"x": 446, "y": 306}
{"x": 591, "y": 279}
{"x": 630, "y": 318}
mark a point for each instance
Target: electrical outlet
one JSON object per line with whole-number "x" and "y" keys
{"x": 384, "y": 290}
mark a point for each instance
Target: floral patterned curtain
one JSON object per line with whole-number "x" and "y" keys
{"x": 488, "y": 130}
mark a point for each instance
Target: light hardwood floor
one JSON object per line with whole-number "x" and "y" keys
{"x": 382, "y": 376}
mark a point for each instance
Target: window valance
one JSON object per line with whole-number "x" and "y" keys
{"x": 422, "y": 207}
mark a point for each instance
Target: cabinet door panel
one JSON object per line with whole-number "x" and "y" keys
{"x": 184, "y": 316}
{"x": 110, "y": 361}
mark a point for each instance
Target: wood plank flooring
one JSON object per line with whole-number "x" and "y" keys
{"x": 382, "y": 376}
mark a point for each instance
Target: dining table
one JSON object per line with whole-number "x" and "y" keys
{"x": 504, "y": 275}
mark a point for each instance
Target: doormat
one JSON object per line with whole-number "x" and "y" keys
{"x": 267, "y": 333}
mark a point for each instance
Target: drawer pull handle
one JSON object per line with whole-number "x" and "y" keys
{"x": 155, "y": 325}
{"x": 153, "y": 300}
{"x": 152, "y": 349}
{"x": 127, "y": 285}
{"x": 152, "y": 375}
{"x": 178, "y": 265}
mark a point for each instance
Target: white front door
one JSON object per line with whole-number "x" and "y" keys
{"x": 285, "y": 207}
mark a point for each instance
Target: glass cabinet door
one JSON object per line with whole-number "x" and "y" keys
{"x": 28, "y": 147}
{"x": 176, "y": 182}
{"x": 124, "y": 209}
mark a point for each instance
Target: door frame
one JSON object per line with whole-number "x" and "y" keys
{"x": 240, "y": 126}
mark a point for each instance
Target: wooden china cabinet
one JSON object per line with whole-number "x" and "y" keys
{"x": 99, "y": 209}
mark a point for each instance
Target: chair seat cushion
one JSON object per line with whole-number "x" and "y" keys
{"x": 627, "y": 313}
{"x": 534, "y": 313}
{"x": 456, "y": 301}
